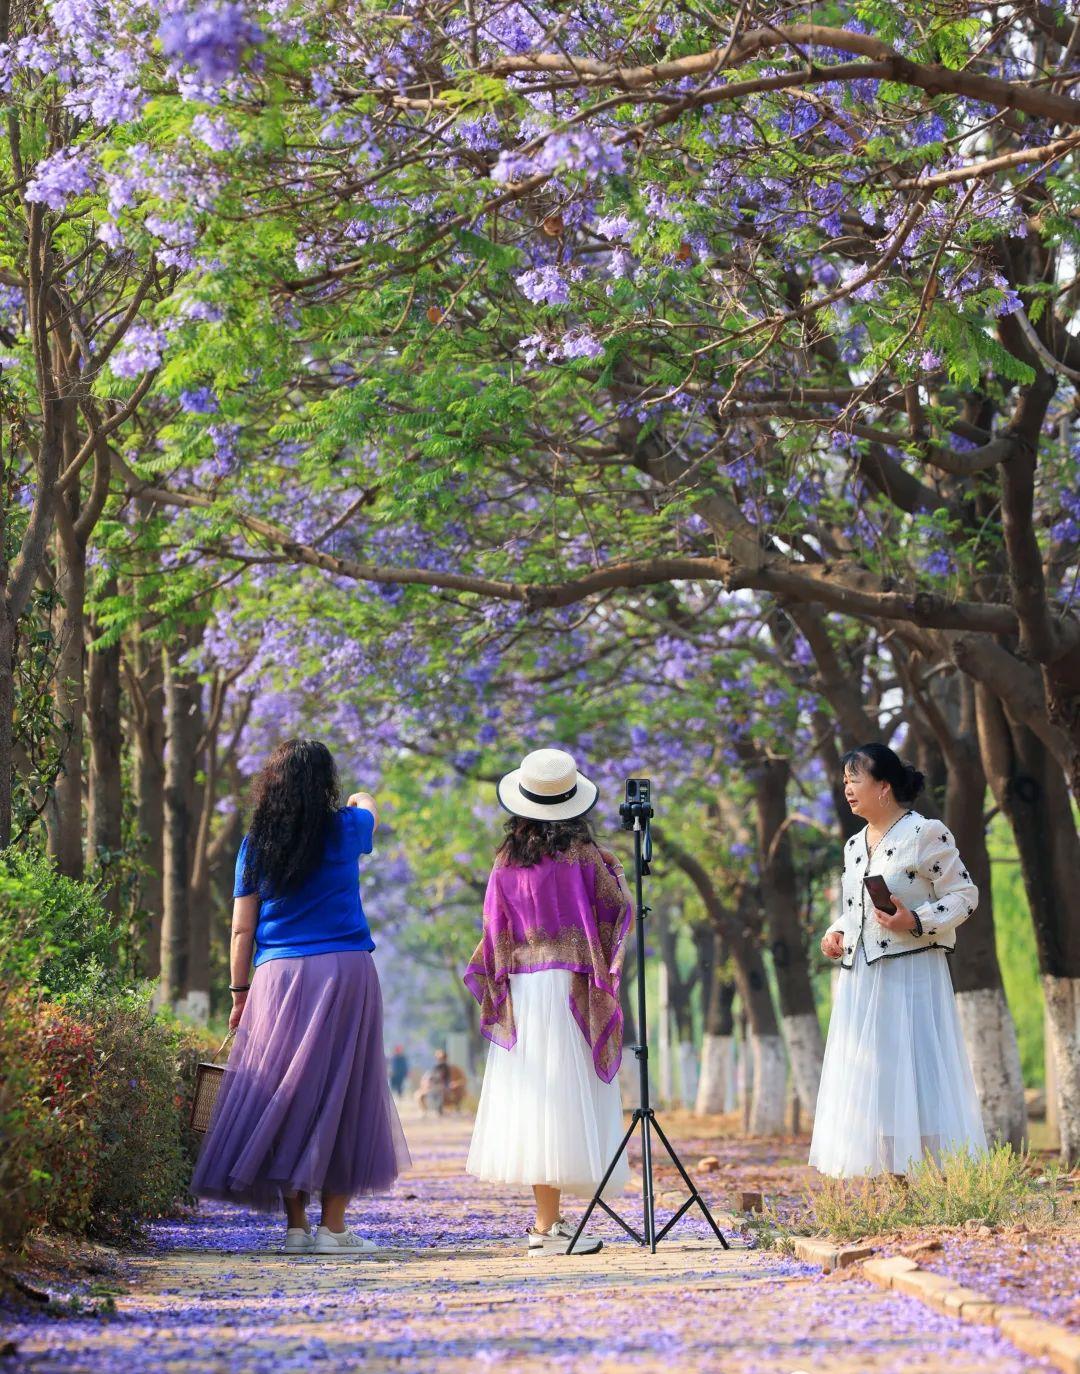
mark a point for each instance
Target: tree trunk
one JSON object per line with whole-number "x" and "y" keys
{"x": 7, "y": 718}
{"x": 989, "y": 1029}
{"x": 829, "y": 755}
{"x": 106, "y": 809}
{"x": 147, "y": 693}
{"x": 802, "y": 1030}
{"x": 1030, "y": 788}
{"x": 64, "y": 810}
{"x": 183, "y": 729}
{"x": 204, "y": 800}
{"x": 766, "y": 1049}
{"x": 716, "y": 1081}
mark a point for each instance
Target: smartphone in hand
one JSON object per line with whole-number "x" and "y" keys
{"x": 879, "y": 892}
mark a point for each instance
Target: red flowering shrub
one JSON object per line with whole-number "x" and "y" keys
{"x": 47, "y": 1111}
{"x": 94, "y": 1087}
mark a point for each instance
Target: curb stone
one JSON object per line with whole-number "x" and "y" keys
{"x": 1028, "y": 1332}
{"x": 828, "y": 1254}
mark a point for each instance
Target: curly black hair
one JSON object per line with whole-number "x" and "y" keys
{"x": 293, "y": 798}
{"x": 528, "y": 841}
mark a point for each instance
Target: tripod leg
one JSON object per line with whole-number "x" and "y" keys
{"x": 647, "y": 1182}
{"x": 603, "y": 1183}
{"x": 695, "y": 1195}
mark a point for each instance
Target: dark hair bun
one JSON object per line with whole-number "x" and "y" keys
{"x": 911, "y": 785}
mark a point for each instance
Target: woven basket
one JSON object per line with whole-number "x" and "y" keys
{"x": 208, "y": 1079}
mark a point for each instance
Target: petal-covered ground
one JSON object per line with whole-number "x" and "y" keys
{"x": 454, "y": 1289}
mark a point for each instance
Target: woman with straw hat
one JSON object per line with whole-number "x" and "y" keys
{"x": 546, "y": 974}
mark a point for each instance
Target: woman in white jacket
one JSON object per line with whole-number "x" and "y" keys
{"x": 896, "y": 1082}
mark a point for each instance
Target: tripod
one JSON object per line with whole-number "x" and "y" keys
{"x": 643, "y": 1114}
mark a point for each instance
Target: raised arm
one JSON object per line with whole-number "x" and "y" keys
{"x": 366, "y": 802}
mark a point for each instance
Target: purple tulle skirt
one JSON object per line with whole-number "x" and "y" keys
{"x": 305, "y": 1106}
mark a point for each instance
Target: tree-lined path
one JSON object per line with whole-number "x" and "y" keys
{"x": 463, "y": 1294}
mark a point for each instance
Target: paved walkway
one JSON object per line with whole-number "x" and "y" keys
{"x": 455, "y": 1290}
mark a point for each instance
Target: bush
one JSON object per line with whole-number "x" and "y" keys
{"x": 94, "y": 1101}
{"x": 94, "y": 1086}
{"x": 144, "y": 1148}
{"x": 994, "y": 1186}
{"x": 49, "y": 1110}
{"x": 55, "y": 933}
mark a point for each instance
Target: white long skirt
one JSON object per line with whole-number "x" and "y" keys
{"x": 896, "y": 1082}
{"x": 544, "y": 1115}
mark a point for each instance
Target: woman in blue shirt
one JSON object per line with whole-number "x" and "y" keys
{"x": 305, "y": 1107}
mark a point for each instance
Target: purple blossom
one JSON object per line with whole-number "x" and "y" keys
{"x": 614, "y": 227}
{"x": 59, "y": 177}
{"x": 581, "y": 344}
{"x": 200, "y": 401}
{"x": 580, "y": 150}
{"x": 512, "y": 28}
{"x": 224, "y": 438}
{"x": 140, "y": 351}
{"x": 1009, "y": 303}
{"x": 939, "y": 563}
{"x": 930, "y": 130}
{"x": 211, "y": 38}
{"x": 544, "y": 286}
{"x": 512, "y": 166}
{"x": 33, "y": 54}
{"x": 217, "y": 134}
{"x": 107, "y": 93}
{"x": 621, "y": 264}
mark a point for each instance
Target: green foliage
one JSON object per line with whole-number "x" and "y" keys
{"x": 56, "y": 931}
{"x": 93, "y": 1112}
{"x": 994, "y": 1186}
{"x": 143, "y": 1148}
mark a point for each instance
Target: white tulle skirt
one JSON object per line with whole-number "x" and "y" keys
{"x": 896, "y": 1083}
{"x": 544, "y": 1115}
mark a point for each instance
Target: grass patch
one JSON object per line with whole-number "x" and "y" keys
{"x": 995, "y": 1186}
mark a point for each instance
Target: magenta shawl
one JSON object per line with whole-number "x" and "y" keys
{"x": 569, "y": 913}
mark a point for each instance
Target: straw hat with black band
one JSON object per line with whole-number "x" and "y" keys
{"x": 547, "y": 787}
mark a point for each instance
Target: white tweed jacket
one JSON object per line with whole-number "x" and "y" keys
{"x": 919, "y": 860}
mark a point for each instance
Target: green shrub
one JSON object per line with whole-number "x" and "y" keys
{"x": 143, "y": 1146}
{"x": 94, "y": 1086}
{"x": 94, "y": 1101}
{"x": 24, "y": 1119}
{"x": 994, "y": 1186}
{"x": 55, "y": 933}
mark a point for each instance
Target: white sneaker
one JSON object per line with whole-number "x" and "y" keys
{"x": 298, "y": 1241}
{"x": 559, "y": 1237}
{"x": 345, "y": 1242}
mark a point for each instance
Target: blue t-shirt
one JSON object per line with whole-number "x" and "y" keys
{"x": 324, "y": 914}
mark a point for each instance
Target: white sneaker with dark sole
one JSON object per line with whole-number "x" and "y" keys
{"x": 345, "y": 1242}
{"x": 298, "y": 1241}
{"x": 557, "y": 1240}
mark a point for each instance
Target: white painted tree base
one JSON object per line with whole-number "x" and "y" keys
{"x": 990, "y": 1036}
{"x": 194, "y": 1006}
{"x": 806, "y": 1052}
{"x": 770, "y": 1085}
{"x": 687, "y": 1059}
{"x": 716, "y": 1091}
